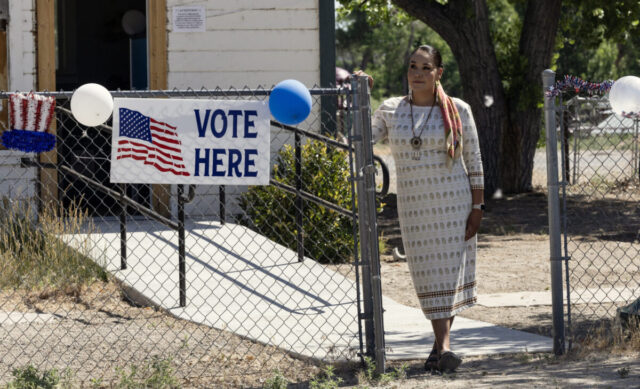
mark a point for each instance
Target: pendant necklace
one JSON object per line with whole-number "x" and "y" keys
{"x": 416, "y": 141}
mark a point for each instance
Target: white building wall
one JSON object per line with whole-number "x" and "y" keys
{"x": 247, "y": 43}
{"x": 14, "y": 180}
{"x": 22, "y": 45}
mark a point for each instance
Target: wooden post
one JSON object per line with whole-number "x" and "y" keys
{"x": 157, "y": 43}
{"x": 46, "y": 64}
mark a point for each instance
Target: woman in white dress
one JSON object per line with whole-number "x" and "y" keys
{"x": 440, "y": 185}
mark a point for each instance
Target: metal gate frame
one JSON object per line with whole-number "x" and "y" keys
{"x": 620, "y": 166}
{"x": 548, "y": 79}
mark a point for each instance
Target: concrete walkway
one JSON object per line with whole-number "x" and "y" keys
{"x": 12, "y": 318}
{"x": 242, "y": 282}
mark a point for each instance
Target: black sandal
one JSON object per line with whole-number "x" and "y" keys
{"x": 449, "y": 361}
{"x": 431, "y": 363}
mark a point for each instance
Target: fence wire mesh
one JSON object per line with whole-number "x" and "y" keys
{"x": 76, "y": 296}
{"x": 601, "y": 210}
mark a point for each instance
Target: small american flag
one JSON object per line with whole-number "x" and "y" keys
{"x": 156, "y": 143}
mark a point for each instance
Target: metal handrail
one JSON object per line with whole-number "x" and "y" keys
{"x": 179, "y": 226}
{"x": 127, "y": 201}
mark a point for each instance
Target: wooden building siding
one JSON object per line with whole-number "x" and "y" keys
{"x": 246, "y": 43}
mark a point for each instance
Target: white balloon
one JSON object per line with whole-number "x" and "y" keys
{"x": 91, "y": 104}
{"x": 625, "y": 95}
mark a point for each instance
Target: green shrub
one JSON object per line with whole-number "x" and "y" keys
{"x": 326, "y": 380}
{"x": 157, "y": 373}
{"x": 328, "y": 235}
{"x": 276, "y": 381}
{"x": 29, "y": 377}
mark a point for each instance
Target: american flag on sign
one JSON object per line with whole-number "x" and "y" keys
{"x": 156, "y": 143}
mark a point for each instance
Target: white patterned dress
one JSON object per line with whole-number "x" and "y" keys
{"x": 434, "y": 202}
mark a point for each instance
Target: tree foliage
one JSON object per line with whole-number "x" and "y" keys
{"x": 599, "y": 40}
{"x": 593, "y": 39}
{"x": 381, "y": 47}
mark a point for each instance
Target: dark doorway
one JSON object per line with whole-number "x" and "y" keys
{"x": 103, "y": 42}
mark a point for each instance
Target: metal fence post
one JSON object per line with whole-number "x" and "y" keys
{"x": 123, "y": 228}
{"x": 181, "y": 248}
{"x": 223, "y": 204}
{"x": 372, "y": 288}
{"x": 636, "y": 157}
{"x": 299, "y": 202}
{"x": 548, "y": 79}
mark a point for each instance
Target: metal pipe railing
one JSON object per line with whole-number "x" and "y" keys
{"x": 181, "y": 247}
{"x": 299, "y": 203}
{"x": 187, "y": 93}
{"x": 222, "y": 195}
{"x": 298, "y": 191}
{"x": 123, "y": 228}
{"x": 126, "y": 201}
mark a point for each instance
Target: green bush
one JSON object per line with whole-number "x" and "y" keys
{"x": 29, "y": 377}
{"x": 276, "y": 381}
{"x": 157, "y": 373}
{"x": 326, "y": 380}
{"x": 328, "y": 235}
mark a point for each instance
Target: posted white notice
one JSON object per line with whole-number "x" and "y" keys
{"x": 189, "y": 19}
{"x": 175, "y": 141}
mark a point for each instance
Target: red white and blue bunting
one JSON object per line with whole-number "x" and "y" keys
{"x": 577, "y": 85}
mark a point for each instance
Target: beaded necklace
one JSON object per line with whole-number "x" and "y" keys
{"x": 416, "y": 140}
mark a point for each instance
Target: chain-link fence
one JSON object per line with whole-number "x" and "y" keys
{"x": 215, "y": 283}
{"x": 600, "y": 210}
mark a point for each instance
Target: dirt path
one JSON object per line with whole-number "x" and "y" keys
{"x": 513, "y": 255}
{"x": 530, "y": 371}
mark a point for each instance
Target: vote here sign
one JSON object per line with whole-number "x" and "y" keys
{"x": 175, "y": 141}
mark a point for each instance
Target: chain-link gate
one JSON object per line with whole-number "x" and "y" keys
{"x": 217, "y": 283}
{"x": 599, "y": 207}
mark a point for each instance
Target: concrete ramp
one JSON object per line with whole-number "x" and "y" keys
{"x": 236, "y": 280}
{"x": 240, "y": 281}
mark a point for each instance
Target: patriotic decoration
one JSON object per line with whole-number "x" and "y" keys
{"x": 578, "y": 85}
{"x": 190, "y": 141}
{"x": 29, "y": 118}
{"x": 151, "y": 141}
{"x": 631, "y": 115}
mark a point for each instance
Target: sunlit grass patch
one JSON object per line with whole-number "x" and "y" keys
{"x": 33, "y": 253}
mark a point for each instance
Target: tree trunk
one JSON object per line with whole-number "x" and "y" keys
{"x": 508, "y": 128}
{"x": 537, "y": 41}
{"x": 464, "y": 26}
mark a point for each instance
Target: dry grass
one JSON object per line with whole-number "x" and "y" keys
{"x": 33, "y": 255}
{"x": 610, "y": 337}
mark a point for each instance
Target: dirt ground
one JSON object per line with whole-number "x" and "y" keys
{"x": 513, "y": 256}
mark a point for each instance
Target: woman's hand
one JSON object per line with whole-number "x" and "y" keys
{"x": 361, "y": 73}
{"x": 473, "y": 223}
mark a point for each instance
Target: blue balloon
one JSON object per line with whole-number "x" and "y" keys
{"x": 290, "y": 102}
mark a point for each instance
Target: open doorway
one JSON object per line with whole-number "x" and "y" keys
{"x": 104, "y": 42}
